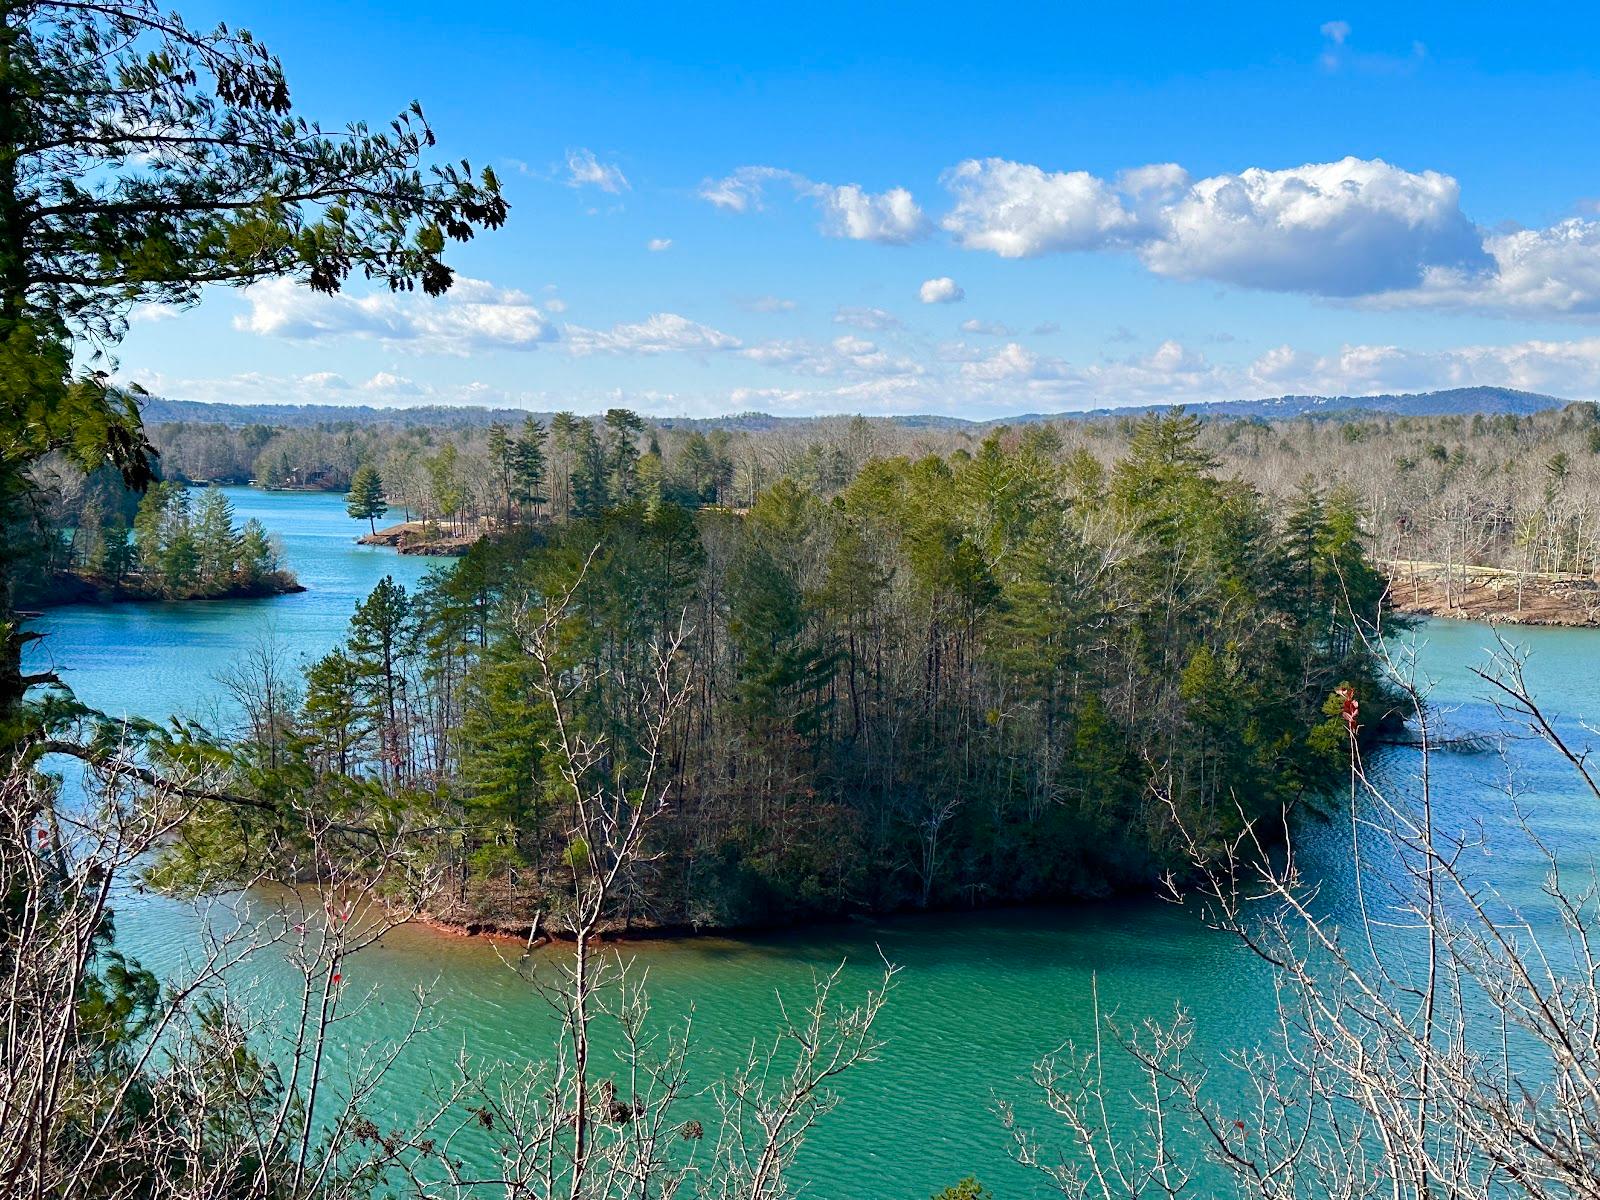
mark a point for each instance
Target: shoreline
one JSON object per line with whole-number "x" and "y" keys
{"x": 1493, "y": 594}
{"x": 74, "y": 590}
{"x": 497, "y": 934}
{"x": 413, "y": 537}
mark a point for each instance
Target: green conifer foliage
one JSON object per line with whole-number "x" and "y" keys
{"x": 367, "y": 501}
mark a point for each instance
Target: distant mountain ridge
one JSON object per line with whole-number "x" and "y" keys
{"x": 1449, "y": 402}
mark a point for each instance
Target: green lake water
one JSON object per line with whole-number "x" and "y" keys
{"x": 980, "y": 996}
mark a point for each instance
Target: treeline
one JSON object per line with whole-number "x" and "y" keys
{"x": 982, "y": 678}
{"x": 576, "y": 469}
{"x": 1516, "y": 492}
{"x": 567, "y": 466}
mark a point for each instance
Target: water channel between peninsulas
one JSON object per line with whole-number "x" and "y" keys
{"x": 980, "y": 996}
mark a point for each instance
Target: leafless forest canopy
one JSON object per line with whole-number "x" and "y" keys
{"x": 1519, "y": 492}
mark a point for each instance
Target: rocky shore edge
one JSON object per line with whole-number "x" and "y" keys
{"x": 1494, "y": 594}
{"x": 418, "y": 537}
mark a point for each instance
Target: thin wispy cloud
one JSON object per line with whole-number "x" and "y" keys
{"x": 987, "y": 328}
{"x": 870, "y": 319}
{"x": 585, "y": 170}
{"x": 660, "y": 333}
{"x": 851, "y": 372}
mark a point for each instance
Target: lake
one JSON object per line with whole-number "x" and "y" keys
{"x": 980, "y": 996}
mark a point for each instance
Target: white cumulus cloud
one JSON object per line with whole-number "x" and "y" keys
{"x": 1017, "y": 210}
{"x": 472, "y": 316}
{"x": 942, "y": 290}
{"x": 1356, "y": 230}
{"x": 1553, "y": 271}
{"x": 848, "y": 210}
{"x": 1350, "y": 228}
{"x": 657, "y": 245}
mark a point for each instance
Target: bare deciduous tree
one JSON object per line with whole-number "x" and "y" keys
{"x": 116, "y": 1085}
{"x": 1447, "y": 1045}
{"x": 569, "y": 1125}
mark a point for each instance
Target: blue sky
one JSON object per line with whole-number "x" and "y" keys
{"x": 947, "y": 209}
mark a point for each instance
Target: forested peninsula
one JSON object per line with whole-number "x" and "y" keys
{"x": 987, "y": 677}
{"x": 715, "y": 675}
{"x": 97, "y": 541}
{"x": 1481, "y": 514}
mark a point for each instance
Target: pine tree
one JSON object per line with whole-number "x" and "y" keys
{"x": 444, "y": 482}
{"x": 565, "y": 439}
{"x": 169, "y": 559}
{"x": 149, "y": 525}
{"x": 382, "y": 637}
{"x": 216, "y": 541}
{"x": 88, "y": 538}
{"x": 502, "y": 460}
{"x": 1163, "y": 464}
{"x": 697, "y": 467}
{"x": 334, "y": 719}
{"x": 258, "y": 559}
{"x": 781, "y": 670}
{"x": 180, "y": 562}
{"x": 529, "y": 465}
{"x": 623, "y": 428}
{"x": 366, "y": 501}
{"x": 505, "y": 726}
{"x": 591, "y": 472}
{"x": 115, "y": 555}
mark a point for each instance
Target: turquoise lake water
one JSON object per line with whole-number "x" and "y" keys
{"x": 980, "y": 996}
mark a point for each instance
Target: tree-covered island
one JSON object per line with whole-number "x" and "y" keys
{"x": 982, "y": 679}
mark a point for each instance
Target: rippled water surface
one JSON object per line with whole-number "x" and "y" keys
{"x": 980, "y": 997}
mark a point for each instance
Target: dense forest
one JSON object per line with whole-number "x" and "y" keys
{"x": 444, "y": 471}
{"x": 708, "y": 677}
{"x": 97, "y": 539}
{"x": 952, "y": 681}
{"x": 1520, "y": 492}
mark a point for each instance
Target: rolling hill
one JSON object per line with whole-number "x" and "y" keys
{"x": 1450, "y": 402}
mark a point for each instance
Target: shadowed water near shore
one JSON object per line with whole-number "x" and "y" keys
{"x": 980, "y": 997}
